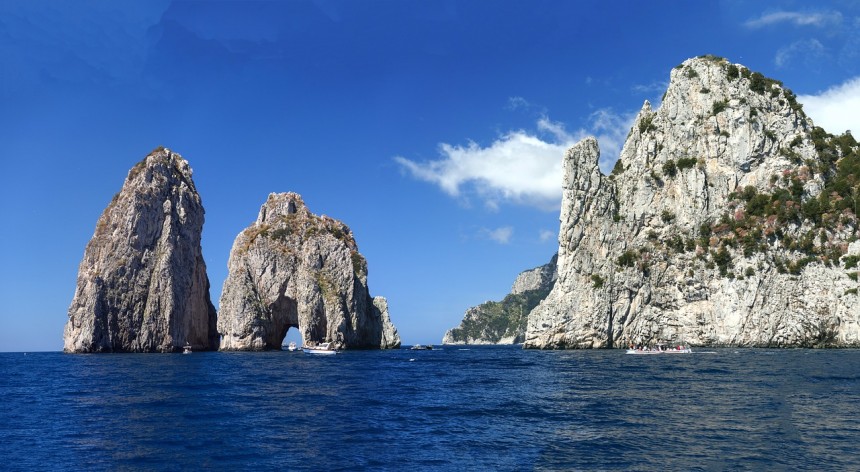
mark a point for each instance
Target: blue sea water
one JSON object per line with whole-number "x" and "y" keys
{"x": 485, "y": 408}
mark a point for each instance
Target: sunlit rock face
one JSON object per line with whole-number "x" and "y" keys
{"x": 292, "y": 268}
{"x": 142, "y": 284}
{"x": 722, "y": 224}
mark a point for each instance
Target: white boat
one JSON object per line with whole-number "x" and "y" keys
{"x": 419, "y": 347}
{"x": 186, "y": 349}
{"x": 322, "y": 349}
{"x": 292, "y": 347}
{"x": 658, "y": 350}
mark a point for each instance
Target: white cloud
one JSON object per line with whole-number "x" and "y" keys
{"x": 808, "y": 50}
{"x": 652, "y": 88}
{"x": 500, "y": 235}
{"x": 836, "y": 109}
{"x": 521, "y": 166}
{"x": 517, "y": 102}
{"x": 797, "y": 18}
{"x": 546, "y": 235}
{"x": 611, "y": 130}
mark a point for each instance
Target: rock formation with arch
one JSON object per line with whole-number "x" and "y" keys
{"x": 292, "y": 268}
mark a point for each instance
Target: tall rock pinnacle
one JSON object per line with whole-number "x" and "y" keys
{"x": 292, "y": 268}
{"x": 142, "y": 284}
{"x": 729, "y": 219}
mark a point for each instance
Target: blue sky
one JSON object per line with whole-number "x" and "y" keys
{"x": 434, "y": 129}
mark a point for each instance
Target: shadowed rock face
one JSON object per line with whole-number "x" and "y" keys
{"x": 292, "y": 268}
{"x": 696, "y": 236}
{"x": 142, "y": 284}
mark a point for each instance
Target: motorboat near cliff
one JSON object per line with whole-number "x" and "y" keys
{"x": 291, "y": 347}
{"x": 321, "y": 349}
{"x": 659, "y": 349}
{"x": 186, "y": 349}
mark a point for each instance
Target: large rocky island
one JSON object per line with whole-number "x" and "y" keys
{"x": 142, "y": 284}
{"x": 292, "y": 268}
{"x": 729, "y": 219}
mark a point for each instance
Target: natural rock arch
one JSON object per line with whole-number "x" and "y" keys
{"x": 292, "y": 268}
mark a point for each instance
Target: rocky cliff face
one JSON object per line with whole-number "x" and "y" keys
{"x": 142, "y": 284}
{"x": 292, "y": 268}
{"x": 730, "y": 219}
{"x": 504, "y": 322}
{"x": 539, "y": 278}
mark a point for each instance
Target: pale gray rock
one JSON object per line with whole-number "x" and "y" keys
{"x": 539, "y": 278}
{"x": 142, "y": 284}
{"x": 292, "y": 268}
{"x": 731, "y": 138}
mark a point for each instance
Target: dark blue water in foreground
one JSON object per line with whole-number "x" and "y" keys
{"x": 487, "y": 408}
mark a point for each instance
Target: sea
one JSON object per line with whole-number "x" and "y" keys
{"x": 452, "y": 408}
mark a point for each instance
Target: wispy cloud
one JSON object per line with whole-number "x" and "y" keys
{"x": 515, "y": 103}
{"x": 797, "y": 18}
{"x": 836, "y": 109}
{"x": 546, "y": 235}
{"x": 652, "y": 88}
{"x": 611, "y": 130}
{"x": 500, "y": 235}
{"x": 522, "y": 167}
{"x": 807, "y": 50}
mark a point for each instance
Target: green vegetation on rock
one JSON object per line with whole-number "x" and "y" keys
{"x": 493, "y": 321}
{"x": 757, "y": 220}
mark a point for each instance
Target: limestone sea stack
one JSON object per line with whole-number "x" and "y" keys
{"x": 729, "y": 219}
{"x": 292, "y": 268}
{"x": 504, "y": 322}
{"x": 142, "y": 284}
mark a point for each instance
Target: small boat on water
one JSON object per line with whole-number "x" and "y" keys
{"x": 419, "y": 347}
{"x": 321, "y": 349}
{"x": 186, "y": 349}
{"x": 292, "y": 347}
{"x": 659, "y": 349}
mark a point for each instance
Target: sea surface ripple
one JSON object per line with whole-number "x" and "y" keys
{"x": 454, "y": 408}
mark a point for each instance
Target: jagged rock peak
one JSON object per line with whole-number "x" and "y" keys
{"x": 142, "y": 284}
{"x": 728, "y": 220}
{"x": 539, "y": 278}
{"x": 504, "y": 322}
{"x": 292, "y": 268}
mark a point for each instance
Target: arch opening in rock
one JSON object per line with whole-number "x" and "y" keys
{"x": 294, "y": 269}
{"x": 293, "y": 335}
{"x": 285, "y": 315}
